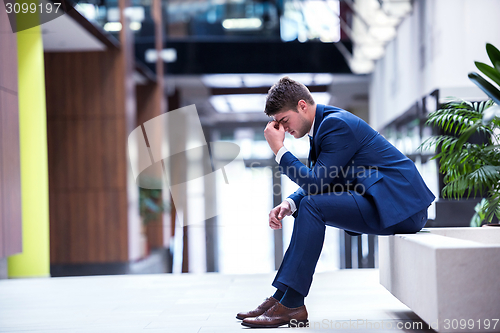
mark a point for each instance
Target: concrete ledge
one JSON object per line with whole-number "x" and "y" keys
{"x": 447, "y": 276}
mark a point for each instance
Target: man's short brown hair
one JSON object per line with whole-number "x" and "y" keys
{"x": 285, "y": 95}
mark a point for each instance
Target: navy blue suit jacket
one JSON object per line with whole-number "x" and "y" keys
{"x": 347, "y": 151}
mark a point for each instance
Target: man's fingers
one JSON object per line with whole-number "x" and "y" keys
{"x": 275, "y": 216}
{"x": 273, "y": 125}
{"x": 274, "y": 225}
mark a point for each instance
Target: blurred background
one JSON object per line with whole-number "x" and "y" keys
{"x": 74, "y": 88}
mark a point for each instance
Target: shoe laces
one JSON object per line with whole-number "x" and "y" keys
{"x": 271, "y": 310}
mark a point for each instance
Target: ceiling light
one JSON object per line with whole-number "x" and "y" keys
{"x": 220, "y": 104}
{"x": 113, "y": 26}
{"x": 361, "y": 66}
{"x": 383, "y": 33}
{"x": 135, "y": 13}
{"x": 223, "y": 80}
{"x": 372, "y": 52}
{"x": 397, "y": 9}
{"x": 252, "y": 103}
{"x": 135, "y": 26}
{"x": 168, "y": 55}
{"x": 304, "y": 78}
{"x": 88, "y": 10}
{"x": 242, "y": 24}
{"x": 323, "y": 79}
{"x": 260, "y": 80}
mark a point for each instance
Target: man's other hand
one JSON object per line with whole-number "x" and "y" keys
{"x": 278, "y": 213}
{"x": 275, "y": 135}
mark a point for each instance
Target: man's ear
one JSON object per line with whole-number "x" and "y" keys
{"x": 302, "y": 105}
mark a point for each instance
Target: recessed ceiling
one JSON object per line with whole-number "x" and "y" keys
{"x": 252, "y": 102}
{"x": 64, "y": 34}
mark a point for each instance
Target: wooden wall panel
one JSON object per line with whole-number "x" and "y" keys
{"x": 10, "y": 173}
{"x": 87, "y": 135}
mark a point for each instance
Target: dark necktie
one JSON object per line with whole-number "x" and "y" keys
{"x": 312, "y": 153}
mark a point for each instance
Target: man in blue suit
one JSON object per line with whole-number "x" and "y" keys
{"x": 355, "y": 180}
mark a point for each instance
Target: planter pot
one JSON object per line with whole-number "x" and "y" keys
{"x": 448, "y": 276}
{"x": 491, "y": 225}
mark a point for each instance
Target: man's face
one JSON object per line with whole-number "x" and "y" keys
{"x": 294, "y": 122}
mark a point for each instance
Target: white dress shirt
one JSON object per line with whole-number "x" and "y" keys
{"x": 280, "y": 154}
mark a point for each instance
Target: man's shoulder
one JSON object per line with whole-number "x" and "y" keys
{"x": 336, "y": 112}
{"x": 334, "y": 117}
{"x": 333, "y": 114}
{"x": 331, "y": 108}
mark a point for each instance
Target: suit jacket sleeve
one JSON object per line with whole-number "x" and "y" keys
{"x": 336, "y": 145}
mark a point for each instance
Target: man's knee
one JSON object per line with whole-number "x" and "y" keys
{"x": 307, "y": 203}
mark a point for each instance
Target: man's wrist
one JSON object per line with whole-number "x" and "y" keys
{"x": 280, "y": 154}
{"x": 277, "y": 149}
{"x": 293, "y": 208}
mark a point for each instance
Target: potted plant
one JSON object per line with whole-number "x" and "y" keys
{"x": 151, "y": 207}
{"x": 471, "y": 167}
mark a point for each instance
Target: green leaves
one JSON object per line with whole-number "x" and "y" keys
{"x": 151, "y": 205}
{"x": 485, "y": 86}
{"x": 468, "y": 168}
{"x": 489, "y": 71}
{"x": 457, "y": 116}
{"x": 493, "y": 53}
{"x": 479, "y": 216}
{"x": 492, "y": 72}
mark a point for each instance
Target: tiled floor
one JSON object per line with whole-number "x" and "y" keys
{"x": 191, "y": 303}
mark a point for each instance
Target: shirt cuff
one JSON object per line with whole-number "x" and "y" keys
{"x": 280, "y": 154}
{"x": 292, "y": 205}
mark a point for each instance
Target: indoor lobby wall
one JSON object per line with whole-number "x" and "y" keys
{"x": 10, "y": 177}
{"x": 87, "y": 157}
{"x": 88, "y": 125}
{"x": 435, "y": 48}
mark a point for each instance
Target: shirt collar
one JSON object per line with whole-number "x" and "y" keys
{"x": 311, "y": 131}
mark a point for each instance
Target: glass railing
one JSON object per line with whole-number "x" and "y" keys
{"x": 106, "y": 14}
{"x": 286, "y": 20}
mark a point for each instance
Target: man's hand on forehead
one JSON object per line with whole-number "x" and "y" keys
{"x": 275, "y": 123}
{"x": 278, "y": 122}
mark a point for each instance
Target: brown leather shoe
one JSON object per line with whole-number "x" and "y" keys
{"x": 267, "y": 304}
{"x": 277, "y": 316}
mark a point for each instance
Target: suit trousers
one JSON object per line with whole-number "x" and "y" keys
{"x": 335, "y": 209}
